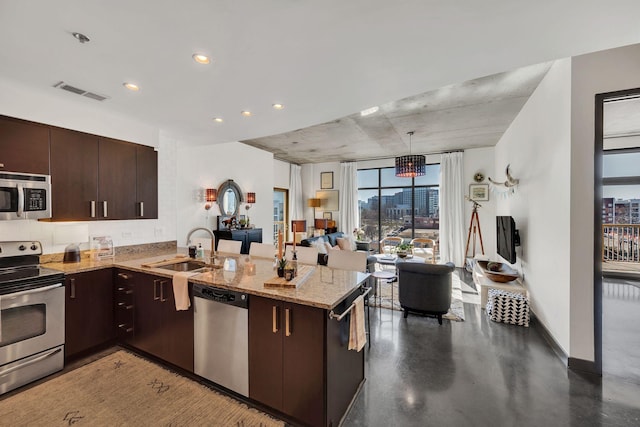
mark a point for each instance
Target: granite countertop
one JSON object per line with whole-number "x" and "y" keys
{"x": 323, "y": 288}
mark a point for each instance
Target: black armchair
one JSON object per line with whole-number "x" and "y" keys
{"x": 425, "y": 288}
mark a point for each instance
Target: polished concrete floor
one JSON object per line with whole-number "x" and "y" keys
{"x": 621, "y": 329}
{"x": 480, "y": 373}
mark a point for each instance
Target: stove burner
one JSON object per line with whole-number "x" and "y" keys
{"x": 19, "y": 268}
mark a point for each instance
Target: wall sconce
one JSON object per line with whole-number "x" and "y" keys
{"x": 314, "y": 203}
{"x": 251, "y": 199}
{"x": 211, "y": 195}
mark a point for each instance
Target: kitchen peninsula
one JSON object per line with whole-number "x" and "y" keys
{"x": 299, "y": 362}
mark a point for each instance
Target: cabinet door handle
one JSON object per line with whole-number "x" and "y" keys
{"x": 124, "y": 276}
{"x": 126, "y": 307}
{"x": 162, "y": 298}
{"x": 72, "y": 295}
{"x": 287, "y": 322}
{"x": 124, "y": 327}
{"x": 141, "y": 208}
{"x": 93, "y": 209}
{"x": 274, "y": 323}
{"x": 155, "y": 290}
{"x": 125, "y": 290}
{"x": 105, "y": 213}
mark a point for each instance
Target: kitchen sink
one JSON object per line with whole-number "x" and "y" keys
{"x": 189, "y": 265}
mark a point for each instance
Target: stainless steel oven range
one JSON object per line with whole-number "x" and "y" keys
{"x": 31, "y": 316}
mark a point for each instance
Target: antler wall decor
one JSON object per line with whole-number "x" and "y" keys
{"x": 507, "y": 187}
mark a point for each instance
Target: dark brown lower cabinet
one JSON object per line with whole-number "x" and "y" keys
{"x": 286, "y": 353}
{"x": 88, "y": 311}
{"x": 152, "y": 324}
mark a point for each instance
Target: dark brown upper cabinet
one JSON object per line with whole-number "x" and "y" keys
{"x": 24, "y": 146}
{"x": 97, "y": 178}
{"x": 147, "y": 182}
{"x": 74, "y": 175}
{"x": 116, "y": 179}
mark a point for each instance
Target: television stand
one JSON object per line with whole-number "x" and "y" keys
{"x": 481, "y": 280}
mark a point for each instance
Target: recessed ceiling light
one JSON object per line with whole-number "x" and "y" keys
{"x": 201, "y": 58}
{"x": 369, "y": 111}
{"x": 131, "y": 86}
{"x": 278, "y": 106}
{"x": 218, "y": 119}
{"x": 246, "y": 113}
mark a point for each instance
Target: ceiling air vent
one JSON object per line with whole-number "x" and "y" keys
{"x": 78, "y": 91}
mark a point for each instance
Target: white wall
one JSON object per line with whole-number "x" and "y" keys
{"x": 311, "y": 183}
{"x": 481, "y": 160}
{"x": 537, "y": 146}
{"x": 58, "y": 108}
{"x": 600, "y": 72}
{"x": 281, "y": 172}
{"x": 208, "y": 167}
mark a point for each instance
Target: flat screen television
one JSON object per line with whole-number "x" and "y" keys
{"x": 506, "y": 236}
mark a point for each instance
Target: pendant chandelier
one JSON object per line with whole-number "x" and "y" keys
{"x": 412, "y": 165}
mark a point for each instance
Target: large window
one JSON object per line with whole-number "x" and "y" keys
{"x": 392, "y": 206}
{"x": 280, "y": 211}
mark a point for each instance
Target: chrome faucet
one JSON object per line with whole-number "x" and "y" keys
{"x": 213, "y": 240}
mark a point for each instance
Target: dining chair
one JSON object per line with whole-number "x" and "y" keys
{"x": 305, "y": 255}
{"x": 388, "y": 244}
{"x": 262, "y": 250}
{"x": 229, "y": 246}
{"x": 424, "y": 248}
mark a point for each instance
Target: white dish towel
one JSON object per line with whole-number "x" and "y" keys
{"x": 357, "y": 333}
{"x": 181, "y": 290}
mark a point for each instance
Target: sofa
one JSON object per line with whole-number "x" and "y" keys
{"x": 331, "y": 238}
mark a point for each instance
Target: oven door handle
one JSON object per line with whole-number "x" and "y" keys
{"x": 20, "y": 201}
{"x": 32, "y": 291}
{"x": 30, "y": 362}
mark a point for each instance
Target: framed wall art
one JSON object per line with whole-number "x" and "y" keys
{"x": 327, "y": 215}
{"x": 326, "y": 180}
{"x": 479, "y": 192}
{"x": 330, "y": 201}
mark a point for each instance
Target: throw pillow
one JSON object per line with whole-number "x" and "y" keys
{"x": 319, "y": 245}
{"x": 343, "y": 243}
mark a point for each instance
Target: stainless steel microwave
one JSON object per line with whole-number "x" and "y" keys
{"x": 24, "y": 196}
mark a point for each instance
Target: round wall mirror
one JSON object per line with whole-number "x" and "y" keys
{"x": 229, "y": 198}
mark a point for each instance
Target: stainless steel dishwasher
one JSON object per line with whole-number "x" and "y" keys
{"x": 221, "y": 337}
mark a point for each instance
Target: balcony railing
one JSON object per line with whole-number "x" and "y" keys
{"x": 620, "y": 242}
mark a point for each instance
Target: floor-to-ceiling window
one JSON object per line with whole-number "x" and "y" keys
{"x": 621, "y": 205}
{"x": 392, "y": 206}
{"x": 280, "y": 209}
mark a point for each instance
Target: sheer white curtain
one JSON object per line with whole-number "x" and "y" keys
{"x": 348, "y": 197}
{"x": 452, "y": 209}
{"x": 295, "y": 195}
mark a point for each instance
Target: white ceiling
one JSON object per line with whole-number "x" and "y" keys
{"x": 323, "y": 60}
